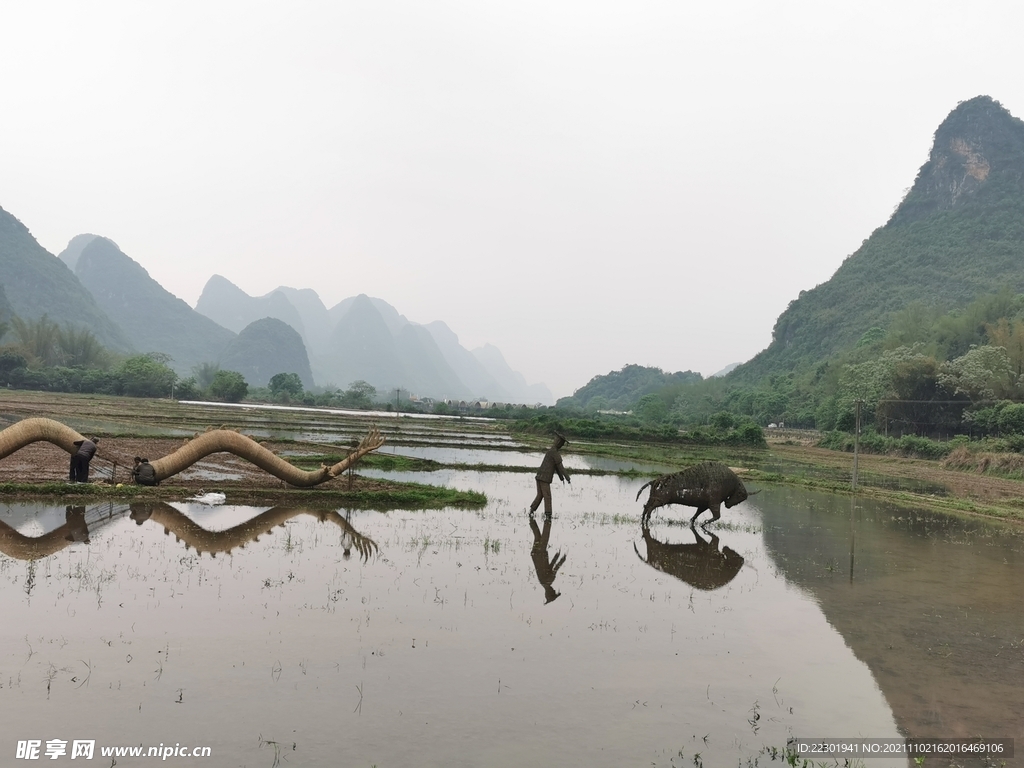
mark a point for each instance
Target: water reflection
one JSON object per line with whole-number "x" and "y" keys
{"x": 78, "y": 529}
{"x": 934, "y": 610}
{"x": 702, "y": 564}
{"x": 545, "y": 566}
{"x": 81, "y": 522}
{"x": 443, "y": 652}
{"x": 202, "y": 540}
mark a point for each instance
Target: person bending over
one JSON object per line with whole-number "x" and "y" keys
{"x": 79, "y": 472}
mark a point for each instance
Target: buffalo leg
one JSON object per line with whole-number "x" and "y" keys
{"x": 716, "y": 512}
{"x": 697, "y": 514}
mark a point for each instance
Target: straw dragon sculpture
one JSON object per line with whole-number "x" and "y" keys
{"x": 34, "y": 430}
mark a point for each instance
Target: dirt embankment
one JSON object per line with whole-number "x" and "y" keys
{"x": 967, "y": 491}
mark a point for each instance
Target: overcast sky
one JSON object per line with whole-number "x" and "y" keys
{"x": 583, "y": 184}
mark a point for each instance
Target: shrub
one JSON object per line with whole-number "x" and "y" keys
{"x": 228, "y": 386}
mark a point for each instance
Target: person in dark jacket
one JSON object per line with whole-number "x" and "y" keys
{"x": 143, "y": 473}
{"x": 551, "y": 465}
{"x": 79, "y": 472}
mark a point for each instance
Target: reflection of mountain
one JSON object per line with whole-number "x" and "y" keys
{"x": 80, "y": 523}
{"x": 933, "y": 607}
{"x": 702, "y": 564}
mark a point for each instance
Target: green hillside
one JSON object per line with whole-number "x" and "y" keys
{"x": 6, "y": 310}
{"x": 958, "y": 234}
{"x": 621, "y": 390}
{"x": 921, "y": 330}
{"x": 37, "y": 283}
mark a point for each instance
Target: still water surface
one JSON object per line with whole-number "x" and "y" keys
{"x": 469, "y": 638}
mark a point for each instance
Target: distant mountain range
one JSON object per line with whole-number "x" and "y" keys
{"x": 365, "y": 338}
{"x": 152, "y": 319}
{"x": 94, "y": 285}
{"x": 958, "y": 234}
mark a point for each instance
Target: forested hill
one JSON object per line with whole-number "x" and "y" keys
{"x": 958, "y": 233}
{"x": 37, "y": 284}
{"x": 620, "y": 390}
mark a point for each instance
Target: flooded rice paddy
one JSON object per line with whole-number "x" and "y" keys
{"x": 517, "y": 458}
{"x": 309, "y": 637}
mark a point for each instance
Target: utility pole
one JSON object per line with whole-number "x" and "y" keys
{"x": 856, "y": 443}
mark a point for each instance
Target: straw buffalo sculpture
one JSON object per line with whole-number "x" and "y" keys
{"x": 705, "y": 486}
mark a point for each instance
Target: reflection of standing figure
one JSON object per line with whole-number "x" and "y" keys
{"x": 79, "y": 472}
{"x": 74, "y": 518}
{"x": 552, "y": 463}
{"x": 546, "y": 568}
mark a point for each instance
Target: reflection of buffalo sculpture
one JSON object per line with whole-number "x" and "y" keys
{"x": 705, "y": 486}
{"x": 701, "y": 564}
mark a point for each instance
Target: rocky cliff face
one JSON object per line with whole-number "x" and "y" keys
{"x": 978, "y": 152}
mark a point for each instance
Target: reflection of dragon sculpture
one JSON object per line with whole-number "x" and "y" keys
{"x": 17, "y": 545}
{"x": 192, "y": 534}
{"x": 22, "y": 547}
{"x": 701, "y": 564}
{"x": 34, "y": 430}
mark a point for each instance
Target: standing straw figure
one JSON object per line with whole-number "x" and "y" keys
{"x": 552, "y": 464}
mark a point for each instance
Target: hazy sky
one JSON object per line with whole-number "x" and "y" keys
{"x": 583, "y": 184}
